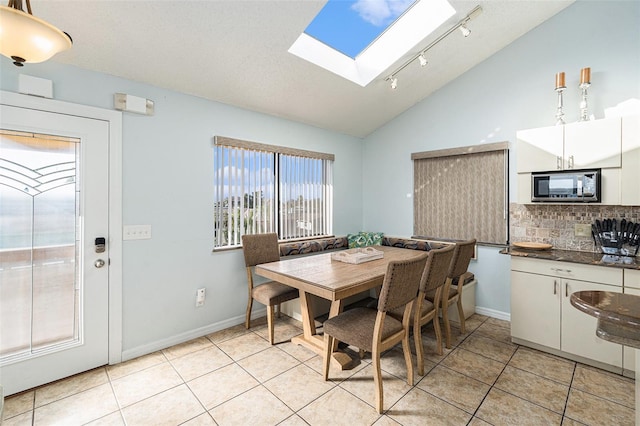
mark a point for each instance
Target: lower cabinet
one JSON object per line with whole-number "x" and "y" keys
{"x": 631, "y": 286}
{"x": 541, "y": 311}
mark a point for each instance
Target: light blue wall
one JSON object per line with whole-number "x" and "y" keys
{"x": 168, "y": 181}
{"x": 511, "y": 90}
{"x": 167, "y": 160}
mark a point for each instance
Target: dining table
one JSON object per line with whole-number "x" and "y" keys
{"x": 320, "y": 275}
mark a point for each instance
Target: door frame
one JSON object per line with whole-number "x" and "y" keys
{"x": 114, "y": 119}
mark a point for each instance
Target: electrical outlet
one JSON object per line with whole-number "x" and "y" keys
{"x": 582, "y": 230}
{"x": 200, "y": 295}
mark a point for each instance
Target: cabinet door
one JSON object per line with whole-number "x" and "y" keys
{"x": 539, "y": 149}
{"x": 579, "y": 329}
{"x": 593, "y": 144}
{"x": 535, "y": 308}
{"x": 629, "y": 354}
{"x": 630, "y": 159}
{"x": 631, "y": 286}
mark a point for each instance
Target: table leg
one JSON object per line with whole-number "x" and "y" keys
{"x": 310, "y": 339}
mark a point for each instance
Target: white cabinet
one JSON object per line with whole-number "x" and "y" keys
{"x": 593, "y": 144}
{"x": 588, "y": 144}
{"x": 541, "y": 311}
{"x": 535, "y": 311}
{"x": 579, "y": 329}
{"x": 631, "y": 286}
{"x": 610, "y": 144}
{"x": 630, "y": 190}
{"x": 540, "y": 149}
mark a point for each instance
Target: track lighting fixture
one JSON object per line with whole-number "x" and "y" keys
{"x": 422, "y": 59}
{"x": 461, "y": 25}
{"x": 465, "y": 31}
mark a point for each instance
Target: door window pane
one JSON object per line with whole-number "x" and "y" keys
{"x": 38, "y": 242}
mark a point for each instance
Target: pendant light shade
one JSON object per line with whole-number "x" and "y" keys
{"x": 25, "y": 38}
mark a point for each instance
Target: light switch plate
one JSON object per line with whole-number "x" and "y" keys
{"x": 136, "y": 232}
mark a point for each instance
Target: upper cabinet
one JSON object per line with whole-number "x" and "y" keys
{"x": 630, "y": 189}
{"x": 587, "y": 144}
{"x": 611, "y": 144}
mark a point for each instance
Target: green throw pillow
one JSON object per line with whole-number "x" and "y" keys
{"x": 364, "y": 239}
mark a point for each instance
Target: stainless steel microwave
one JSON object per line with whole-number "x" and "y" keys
{"x": 566, "y": 186}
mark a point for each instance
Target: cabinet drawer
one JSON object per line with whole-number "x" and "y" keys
{"x": 632, "y": 278}
{"x": 575, "y": 271}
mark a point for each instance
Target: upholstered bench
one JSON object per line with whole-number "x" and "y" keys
{"x": 313, "y": 246}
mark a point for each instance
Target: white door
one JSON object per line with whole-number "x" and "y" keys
{"x": 54, "y": 281}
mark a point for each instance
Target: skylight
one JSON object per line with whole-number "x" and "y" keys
{"x": 349, "y": 26}
{"x": 359, "y": 39}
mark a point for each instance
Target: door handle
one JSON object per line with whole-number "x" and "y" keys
{"x": 558, "y": 162}
{"x": 555, "y": 287}
{"x": 99, "y": 263}
{"x": 571, "y": 161}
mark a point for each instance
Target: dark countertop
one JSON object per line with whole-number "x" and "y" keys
{"x": 618, "y": 315}
{"x": 583, "y": 257}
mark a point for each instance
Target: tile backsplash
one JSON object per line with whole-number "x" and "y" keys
{"x": 554, "y": 224}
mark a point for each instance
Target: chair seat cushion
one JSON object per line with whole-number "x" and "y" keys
{"x": 453, "y": 291}
{"x": 273, "y": 293}
{"x": 355, "y": 327}
{"x": 427, "y": 306}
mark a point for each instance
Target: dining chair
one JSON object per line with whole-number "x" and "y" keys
{"x": 452, "y": 291}
{"x": 372, "y": 330}
{"x": 433, "y": 280}
{"x": 257, "y": 249}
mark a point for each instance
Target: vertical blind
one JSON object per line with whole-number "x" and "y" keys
{"x": 462, "y": 193}
{"x": 262, "y": 188}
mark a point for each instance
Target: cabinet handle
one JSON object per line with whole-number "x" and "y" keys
{"x": 558, "y": 162}
{"x": 571, "y": 161}
{"x": 561, "y": 270}
{"x": 555, "y": 287}
{"x": 566, "y": 289}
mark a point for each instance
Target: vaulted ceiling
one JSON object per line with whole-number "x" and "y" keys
{"x": 235, "y": 52}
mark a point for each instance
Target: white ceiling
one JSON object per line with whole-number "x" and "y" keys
{"x": 235, "y": 52}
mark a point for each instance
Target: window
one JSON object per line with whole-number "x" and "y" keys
{"x": 262, "y": 188}
{"x": 462, "y": 193}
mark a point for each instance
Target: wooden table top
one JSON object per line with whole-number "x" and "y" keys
{"x": 331, "y": 279}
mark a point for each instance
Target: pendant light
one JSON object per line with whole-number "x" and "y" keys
{"x": 25, "y": 38}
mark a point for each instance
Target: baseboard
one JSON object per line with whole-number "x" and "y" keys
{"x": 189, "y": 335}
{"x": 506, "y": 316}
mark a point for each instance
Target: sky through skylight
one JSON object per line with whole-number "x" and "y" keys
{"x": 360, "y": 39}
{"x": 349, "y": 26}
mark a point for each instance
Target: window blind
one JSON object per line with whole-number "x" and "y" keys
{"x": 462, "y": 193}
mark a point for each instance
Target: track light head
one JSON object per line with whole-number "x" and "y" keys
{"x": 394, "y": 82}
{"x": 422, "y": 59}
{"x": 465, "y": 31}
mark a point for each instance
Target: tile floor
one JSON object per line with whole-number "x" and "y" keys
{"x": 235, "y": 377}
